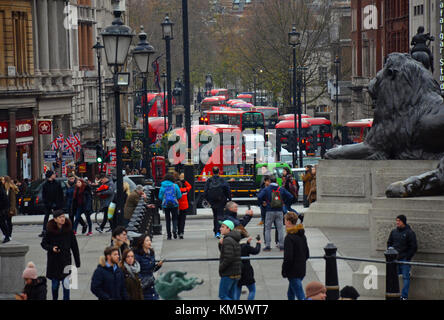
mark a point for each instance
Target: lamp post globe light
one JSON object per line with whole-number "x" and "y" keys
{"x": 141, "y": 54}
{"x": 117, "y": 40}
{"x": 168, "y": 35}
{"x": 294, "y": 40}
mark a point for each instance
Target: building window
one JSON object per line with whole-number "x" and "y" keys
{"x": 322, "y": 74}
{"x": 19, "y": 36}
{"x": 86, "y": 61}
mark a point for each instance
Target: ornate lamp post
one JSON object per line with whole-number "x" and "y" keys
{"x": 294, "y": 40}
{"x": 167, "y": 35}
{"x": 98, "y": 46}
{"x": 117, "y": 40}
{"x": 189, "y": 168}
{"x": 164, "y": 75}
{"x": 141, "y": 55}
{"x": 337, "y": 64}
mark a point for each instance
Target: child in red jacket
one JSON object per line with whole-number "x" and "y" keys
{"x": 185, "y": 187}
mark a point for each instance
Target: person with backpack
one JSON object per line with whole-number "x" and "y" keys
{"x": 291, "y": 185}
{"x": 169, "y": 195}
{"x": 217, "y": 193}
{"x": 275, "y": 199}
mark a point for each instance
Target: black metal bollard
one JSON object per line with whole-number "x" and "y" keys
{"x": 391, "y": 275}
{"x": 331, "y": 272}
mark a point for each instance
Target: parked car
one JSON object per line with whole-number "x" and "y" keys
{"x": 31, "y": 202}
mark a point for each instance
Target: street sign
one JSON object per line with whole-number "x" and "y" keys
{"x": 50, "y": 156}
{"x": 89, "y": 155}
{"x": 67, "y": 156}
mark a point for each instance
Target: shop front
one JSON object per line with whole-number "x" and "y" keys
{"x": 23, "y": 145}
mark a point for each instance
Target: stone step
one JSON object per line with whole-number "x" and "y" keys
{"x": 337, "y": 215}
{"x": 420, "y": 203}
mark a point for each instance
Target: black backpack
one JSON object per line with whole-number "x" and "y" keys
{"x": 216, "y": 190}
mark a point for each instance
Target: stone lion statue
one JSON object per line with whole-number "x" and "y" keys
{"x": 408, "y": 124}
{"x": 170, "y": 284}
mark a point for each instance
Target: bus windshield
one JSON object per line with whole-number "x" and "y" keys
{"x": 252, "y": 120}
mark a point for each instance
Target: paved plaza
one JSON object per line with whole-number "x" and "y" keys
{"x": 199, "y": 242}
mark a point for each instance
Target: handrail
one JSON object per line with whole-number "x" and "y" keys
{"x": 421, "y": 264}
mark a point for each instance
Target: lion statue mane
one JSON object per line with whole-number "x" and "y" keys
{"x": 408, "y": 124}
{"x": 408, "y": 121}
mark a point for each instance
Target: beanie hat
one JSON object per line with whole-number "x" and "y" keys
{"x": 403, "y": 218}
{"x": 57, "y": 213}
{"x": 30, "y": 271}
{"x": 349, "y": 292}
{"x": 229, "y": 224}
{"x": 314, "y": 288}
{"x": 49, "y": 173}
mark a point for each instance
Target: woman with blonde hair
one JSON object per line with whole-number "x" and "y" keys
{"x": 11, "y": 192}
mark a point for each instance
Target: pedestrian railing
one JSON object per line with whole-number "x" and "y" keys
{"x": 392, "y": 291}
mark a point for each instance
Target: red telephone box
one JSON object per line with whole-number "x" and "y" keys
{"x": 158, "y": 168}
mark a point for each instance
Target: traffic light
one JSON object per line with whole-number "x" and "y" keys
{"x": 303, "y": 144}
{"x": 99, "y": 154}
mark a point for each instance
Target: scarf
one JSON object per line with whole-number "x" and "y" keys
{"x": 134, "y": 269}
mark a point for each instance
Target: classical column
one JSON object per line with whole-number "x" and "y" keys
{"x": 12, "y": 145}
{"x": 35, "y": 160}
{"x": 43, "y": 44}
{"x": 35, "y": 37}
{"x": 54, "y": 63}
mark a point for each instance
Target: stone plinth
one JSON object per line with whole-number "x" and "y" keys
{"x": 12, "y": 264}
{"x": 425, "y": 215}
{"x": 345, "y": 189}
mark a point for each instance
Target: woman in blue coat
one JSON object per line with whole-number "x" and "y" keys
{"x": 145, "y": 255}
{"x": 169, "y": 195}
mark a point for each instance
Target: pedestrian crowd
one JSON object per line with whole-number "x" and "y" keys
{"x": 126, "y": 270}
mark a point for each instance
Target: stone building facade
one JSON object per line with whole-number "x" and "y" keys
{"x": 19, "y": 91}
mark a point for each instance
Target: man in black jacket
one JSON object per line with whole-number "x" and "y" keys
{"x": 108, "y": 281}
{"x": 52, "y": 197}
{"x": 296, "y": 254}
{"x": 230, "y": 213}
{"x": 230, "y": 264}
{"x": 403, "y": 239}
{"x": 217, "y": 193}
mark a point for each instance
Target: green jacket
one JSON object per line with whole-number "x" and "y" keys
{"x": 230, "y": 263}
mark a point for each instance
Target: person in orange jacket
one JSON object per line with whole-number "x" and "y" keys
{"x": 185, "y": 187}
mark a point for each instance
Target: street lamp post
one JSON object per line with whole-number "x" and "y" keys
{"x": 164, "y": 103}
{"x": 142, "y": 53}
{"x": 117, "y": 40}
{"x": 189, "y": 168}
{"x": 294, "y": 40}
{"x": 98, "y": 46}
{"x": 337, "y": 64}
{"x": 167, "y": 35}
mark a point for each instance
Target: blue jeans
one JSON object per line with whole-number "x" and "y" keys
{"x": 251, "y": 292}
{"x": 227, "y": 288}
{"x": 295, "y": 289}
{"x": 404, "y": 269}
{"x": 55, "y": 290}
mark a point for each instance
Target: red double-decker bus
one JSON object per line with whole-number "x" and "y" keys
{"x": 247, "y": 97}
{"x": 217, "y": 101}
{"x": 285, "y": 130}
{"x": 357, "y": 130}
{"x": 271, "y": 115}
{"x": 225, "y": 148}
{"x": 322, "y": 128}
{"x": 243, "y": 119}
{"x": 290, "y": 116}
